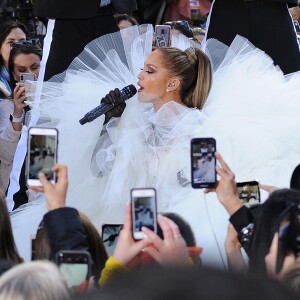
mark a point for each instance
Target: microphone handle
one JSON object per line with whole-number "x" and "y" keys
{"x": 96, "y": 112}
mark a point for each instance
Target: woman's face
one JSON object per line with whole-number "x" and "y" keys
{"x": 26, "y": 63}
{"x": 153, "y": 79}
{"x": 16, "y": 35}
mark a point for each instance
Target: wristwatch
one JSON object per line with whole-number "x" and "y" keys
{"x": 13, "y": 119}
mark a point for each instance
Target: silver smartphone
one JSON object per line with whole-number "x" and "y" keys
{"x": 26, "y": 77}
{"x": 144, "y": 211}
{"x": 163, "y": 35}
{"x": 41, "y": 154}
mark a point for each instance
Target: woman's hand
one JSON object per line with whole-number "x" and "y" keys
{"x": 172, "y": 250}
{"x": 19, "y": 98}
{"x": 111, "y": 98}
{"x": 226, "y": 187}
{"x": 55, "y": 193}
{"x": 127, "y": 248}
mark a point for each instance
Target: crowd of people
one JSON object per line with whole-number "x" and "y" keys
{"x": 235, "y": 82}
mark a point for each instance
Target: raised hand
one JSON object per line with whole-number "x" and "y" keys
{"x": 171, "y": 250}
{"x": 127, "y": 248}
{"x": 226, "y": 187}
{"x": 55, "y": 193}
{"x": 114, "y": 97}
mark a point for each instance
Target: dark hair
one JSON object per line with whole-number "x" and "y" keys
{"x": 126, "y": 17}
{"x": 21, "y": 49}
{"x": 184, "y": 228}
{"x": 182, "y": 26}
{"x": 96, "y": 246}
{"x": 5, "y": 29}
{"x": 267, "y": 224}
{"x": 193, "y": 68}
{"x": 190, "y": 283}
{"x": 8, "y": 249}
{"x": 295, "y": 179}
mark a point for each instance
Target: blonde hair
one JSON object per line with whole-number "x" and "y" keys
{"x": 39, "y": 280}
{"x": 193, "y": 68}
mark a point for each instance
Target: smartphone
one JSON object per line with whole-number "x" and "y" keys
{"x": 144, "y": 211}
{"x": 41, "y": 154}
{"x": 163, "y": 35}
{"x": 203, "y": 163}
{"x": 74, "y": 265}
{"x": 248, "y": 192}
{"x": 110, "y": 235}
{"x": 26, "y": 77}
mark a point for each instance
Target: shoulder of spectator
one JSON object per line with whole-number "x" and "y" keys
{"x": 113, "y": 268}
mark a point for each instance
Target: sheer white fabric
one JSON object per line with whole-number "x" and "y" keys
{"x": 252, "y": 111}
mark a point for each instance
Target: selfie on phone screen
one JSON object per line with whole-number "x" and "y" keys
{"x": 203, "y": 162}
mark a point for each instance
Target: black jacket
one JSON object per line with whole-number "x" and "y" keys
{"x": 78, "y": 9}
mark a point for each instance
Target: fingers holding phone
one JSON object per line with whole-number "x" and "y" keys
{"x": 18, "y": 99}
{"x": 172, "y": 249}
{"x": 127, "y": 248}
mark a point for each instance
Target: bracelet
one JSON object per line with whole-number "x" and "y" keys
{"x": 245, "y": 235}
{"x": 13, "y": 119}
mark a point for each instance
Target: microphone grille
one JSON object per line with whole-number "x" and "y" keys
{"x": 128, "y": 91}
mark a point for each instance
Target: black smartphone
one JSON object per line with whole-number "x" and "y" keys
{"x": 144, "y": 211}
{"x": 203, "y": 163}
{"x": 41, "y": 154}
{"x": 163, "y": 35}
{"x": 74, "y": 265}
{"x": 110, "y": 235}
{"x": 249, "y": 192}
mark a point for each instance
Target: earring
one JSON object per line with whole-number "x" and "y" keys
{"x": 167, "y": 90}
{"x": 172, "y": 84}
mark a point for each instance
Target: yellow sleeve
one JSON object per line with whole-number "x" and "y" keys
{"x": 112, "y": 269}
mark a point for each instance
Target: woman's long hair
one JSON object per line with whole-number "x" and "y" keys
{"x": 8, "y": 249}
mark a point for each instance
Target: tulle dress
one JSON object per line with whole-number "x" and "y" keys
{"x": 252, "y": 111}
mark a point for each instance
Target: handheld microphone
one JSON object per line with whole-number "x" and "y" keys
{"x": 126, "y": 93}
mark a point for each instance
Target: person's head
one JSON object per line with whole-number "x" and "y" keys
{"x": 125, "y": 21}
{"x": 190, "y": 283}
{"x": 10, "y": 32}
{"x": 264, "y": 254}
{"x": 199, "y": 33}
{"x": 8, "y": 249}
{"x": 24, "y": 58}
{"x": 182, "y": 27}
{"x": 171, "y": 74}
{"x": 96, "y": 246}
{"x": 295, "y": 179}
{"x": 184, "y": 228}
{"x": 35, "y": 280}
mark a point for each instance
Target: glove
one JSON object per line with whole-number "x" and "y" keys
{"x": 111, "y": 98}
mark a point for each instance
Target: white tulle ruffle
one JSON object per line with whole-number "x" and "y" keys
{"x": 252, "y": 111}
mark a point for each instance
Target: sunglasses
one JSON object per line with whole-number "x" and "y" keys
{"x": 28, "y": 42}
{"x": 177, "y": 24}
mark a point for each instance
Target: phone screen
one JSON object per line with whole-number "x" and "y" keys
{"x": 42, "y": 154}
{"x": 75, "y": 266}
{"x": 249, "y": 193}
{"x": 143, "y": 211}
{"x": 203, "y": 162}
{"x": 110, "y": 235}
